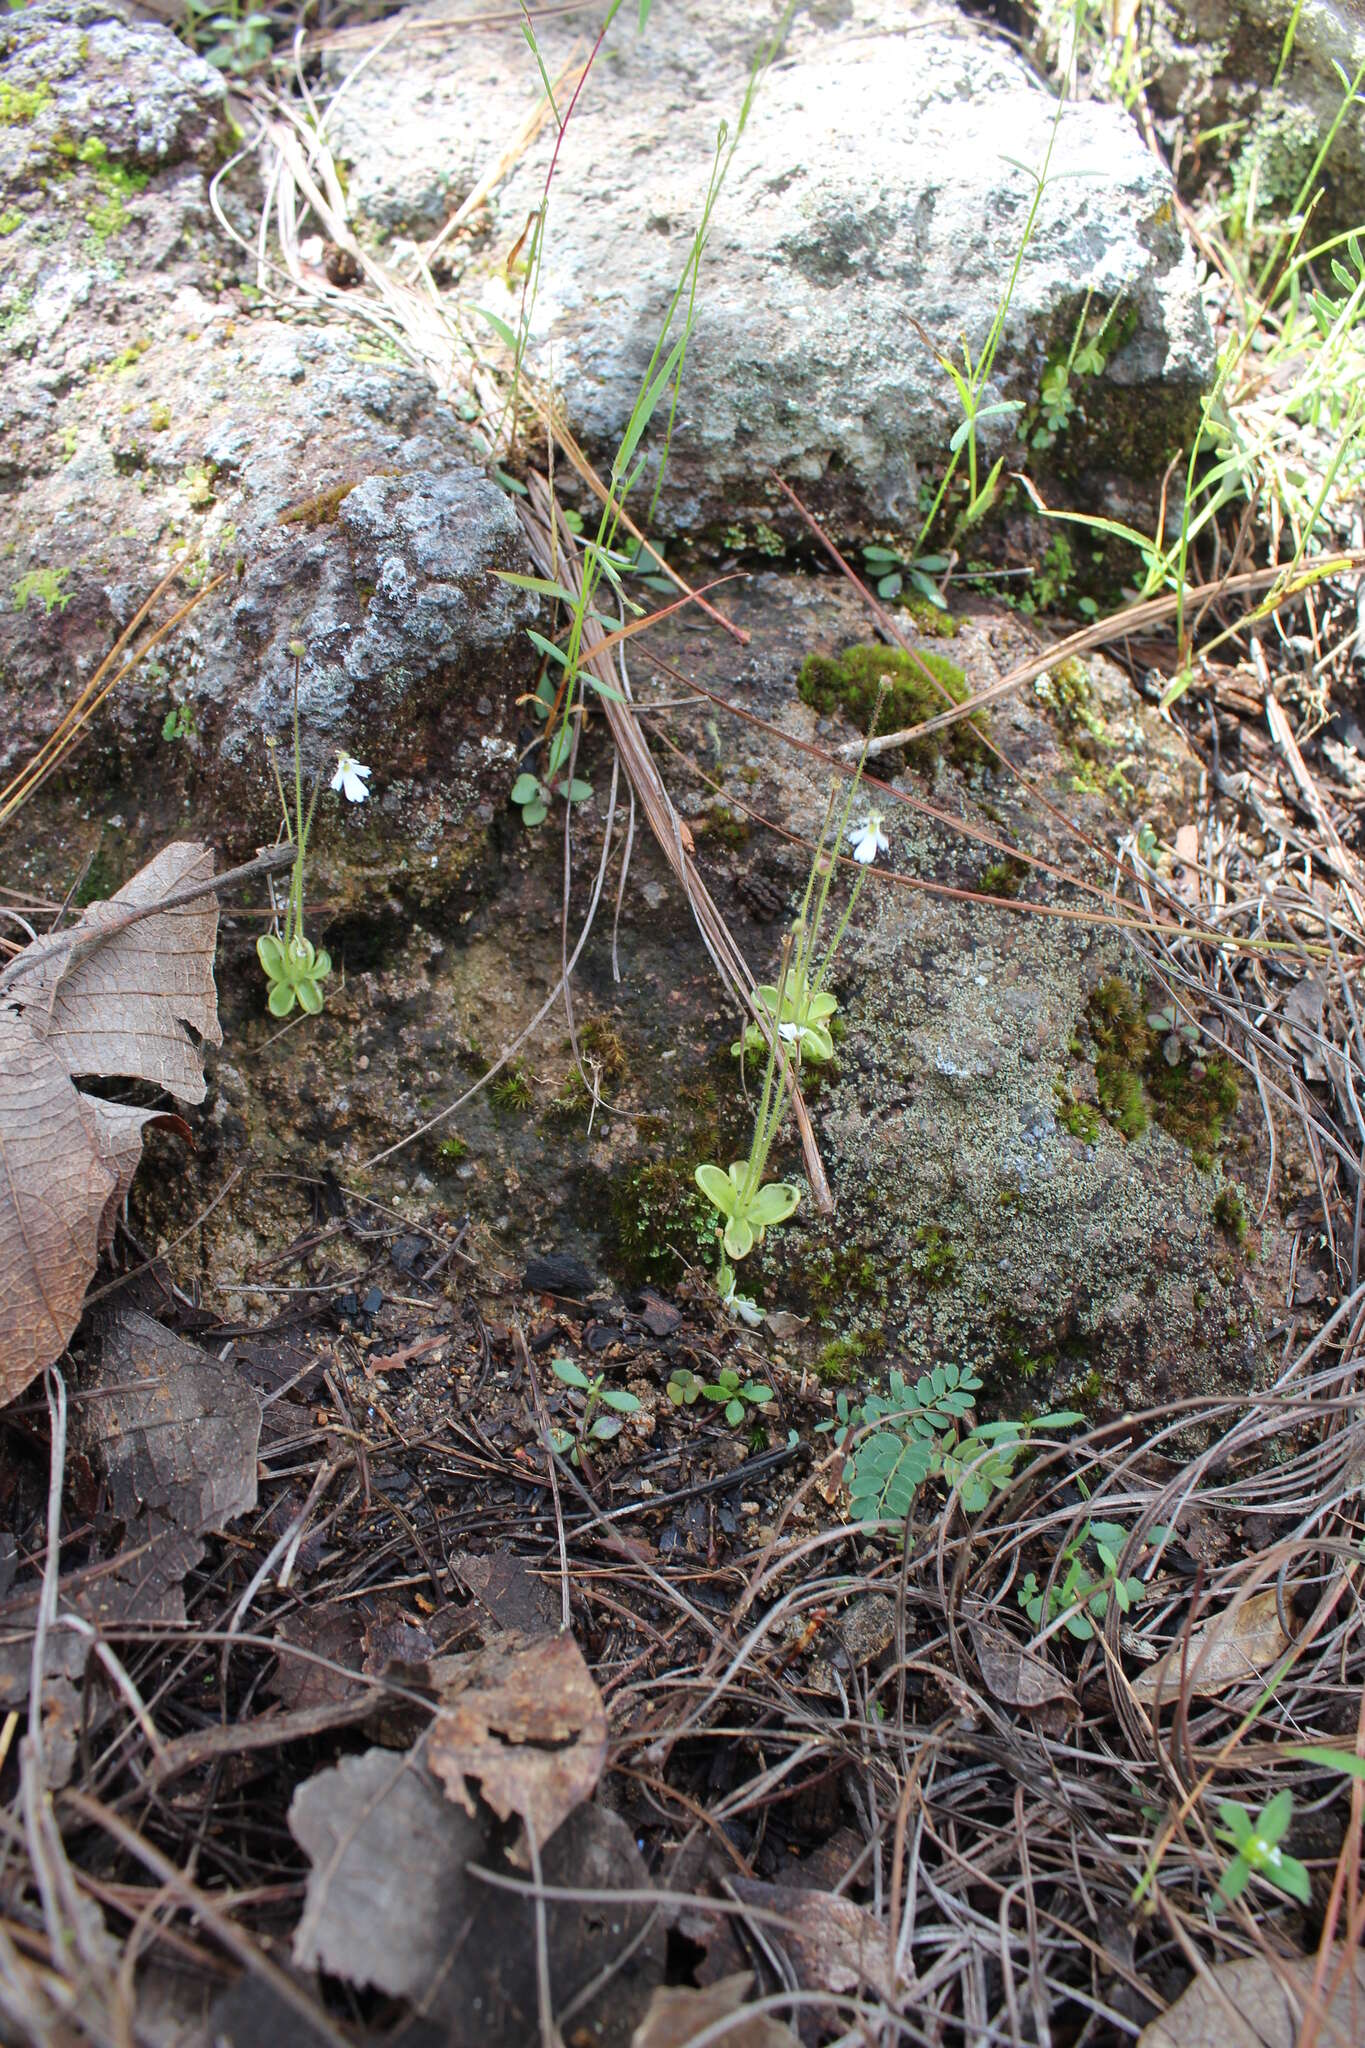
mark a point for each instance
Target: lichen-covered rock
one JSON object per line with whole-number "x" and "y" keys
{"x": 1267, "y": 76}
{"x": 80, "y": 82}
{"x": 871, "y": 218}
{"x": 151, "y": 412}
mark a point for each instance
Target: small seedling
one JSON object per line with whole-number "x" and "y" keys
{"x": 179, "y": 723}
{"x": 1256, "y": 1840}
{"x": 1081, "y": 1595}
{"x": 736, "y": 1397}
{"x": 294, "y": 968}
{"x": 893, "y": 572}
{"x": 533, "y": 797}
{"x": 590, "y": 1427}
{"x": 1177, "y": 1035}
{"x": 684, "y": 1387}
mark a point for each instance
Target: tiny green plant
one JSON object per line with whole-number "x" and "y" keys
{"x": 804, "y": 1007}
{"x": 179, "y": 723}
{"x": 684, "y": 1387}
{"x": 735, "y": 1396}
{"x": 46, "y": 587}
{"x": 587, "y": 1397}
{"x": 294, "y": 967}
{"x": 746, "y": 1206}
{"x": 892, "y": 573}
{"x": 534, "y": 796}
{"x": 1058, "y": 399}
{"x": 1178, "y": 1036}
{"x": 898, "y": 1438}
{"x": 1081, "y": 1595}
{"x": 235, "y": 38}
{"x": 1255, "y": 1840}
{"x": 913, "y": 1433}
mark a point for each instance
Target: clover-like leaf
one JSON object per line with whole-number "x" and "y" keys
{"x": 525, "y": 789}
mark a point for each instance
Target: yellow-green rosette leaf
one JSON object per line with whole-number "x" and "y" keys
{"x": 773, "y": 1204}
{"x": 717, "y": 1187}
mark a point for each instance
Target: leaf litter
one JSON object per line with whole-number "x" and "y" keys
{"x": 115, "y": 997}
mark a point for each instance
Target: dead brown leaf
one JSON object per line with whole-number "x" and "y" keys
{"x": 177, "y": 1437}
{"x": 833, "y": 1943}
{"x": 114, "y": 997}
{"x": 1235, "y": 1646}
{"x": 1014, "y": 1674}
{"x": 677, "y": 2014}
{"x": 109, "y": 998}
{"x": 525, "y": 1719}
{"x": 391, "y": 1902}
{"x": 54, "y": 1187}
{"x": 1254, "y": 2003}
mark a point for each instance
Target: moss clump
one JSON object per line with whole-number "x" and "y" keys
{"x": 512, "y": 1089}
{"x": 1192, "y": 1100}
{"x": 573, "y": 1100}
{"x": 936, "y": 1259}
{"x": 660, "y": 1223}
{"x": 724, "y": 824}
{"x": 1124, "y": 1043}
{"x": 20, "y": 103}
{"x": 319, "y": 510}
{"x": 602, "y": 1042}
{"x": 831, "y": 1275}
{"x": 45, "y": 587}
{"x": 1082, "y": 1119}
{"x": 1230, "y": 1214}
{"x": 451, "y": 1151}
{"x": 931, "y": 619}
{"x": 1134, "y": 1081}
{"x": 921, "y": 686}
{"x": 837, "y": 1364}
{"x": 1004, "y": 877}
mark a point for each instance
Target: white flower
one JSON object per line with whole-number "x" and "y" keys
{"x": 351, "y": 776}
{"x": 741, "y": 1306}
{"x": 869, "y": 839}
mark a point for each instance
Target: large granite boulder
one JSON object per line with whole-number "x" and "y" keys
{"x": 871, "y": 218}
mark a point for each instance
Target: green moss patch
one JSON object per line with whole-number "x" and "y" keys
{"x": 1191, "y": 1099}
{"x": 921, "y": 685}
{"x": 660, "y": 1223}
{"x": 1124, "y": 1043}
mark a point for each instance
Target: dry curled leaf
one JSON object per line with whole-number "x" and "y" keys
{"x": 1014, "y": 1674}
{"x": 1235, "y": 1646}
{"x": 176, "y": 1434}
{"x": 833, "y": 1943}
{"x": 112, "y": 997}
{"x": 1254, "y": 2003}
{"x": 393, "y": 1902}
{"x": 677, "y": 2014}
{"x": 525, "y": 1719}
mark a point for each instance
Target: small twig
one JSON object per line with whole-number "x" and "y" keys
{"x": 265, "y": 862}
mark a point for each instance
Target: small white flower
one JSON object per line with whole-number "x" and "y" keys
{"x": 351, "y": 777}
{"x": 869, "y": 839}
